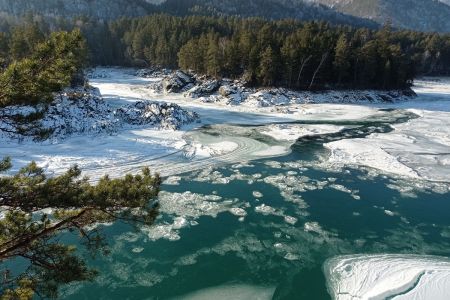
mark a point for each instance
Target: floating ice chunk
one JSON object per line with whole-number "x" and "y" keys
{"x": 291, "y": 256}
{"x": 445, "y": 232}
{"x": 273, "y": 164}
{"x": 290, "y": 220}
{"x": 191, "y": 204}
{"x": 130, "y": 237}
{"x": 161, "y": 232}
{"x": 257, "y": 194}
{"x": 364, "y": 152}
{"x": 341, "y": 188}
{"x": 179, "y": 223}
{"x": 279, "y": 245}
{"x": 235, "y": 292}
{"x": 238, "y": 212}
{"x": 292, "y": 132}
{"x": 389, "y": 213}
{"x": 137, "y": 250}
{"x": 266, "y": 210}
{"x": 388, "y": 276}
{"x": 148, "y": 279}
{"x": 356, "y": 197}
{"x": 172, "y": 180}
{"x": 313, "y": 227}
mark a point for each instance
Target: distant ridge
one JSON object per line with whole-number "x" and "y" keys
{"x": 421, "y": 15}
{"x": 109, "y": 10}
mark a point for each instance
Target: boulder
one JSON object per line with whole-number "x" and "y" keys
{"x": 205, "y": 88}
{"x": 177, "y": 82}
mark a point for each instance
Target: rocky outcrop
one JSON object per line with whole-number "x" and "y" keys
{"x": 235, "y": 92}
{"x": 177, "y": 82}
{"x": 83, "y": 111}
{"x": 153, "y": 72}
{"x": 167, "y": 116}
{"x": 204, "y": 87}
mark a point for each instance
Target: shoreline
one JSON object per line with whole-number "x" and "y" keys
{"x": 128, "y": 149}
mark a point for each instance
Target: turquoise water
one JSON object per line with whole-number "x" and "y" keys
{"x": 294, "y": 214}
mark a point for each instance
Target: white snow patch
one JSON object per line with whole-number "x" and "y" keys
{"x": 292, "y": 132}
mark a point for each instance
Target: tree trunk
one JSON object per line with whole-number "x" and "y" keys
{"x": 304, "y": 62}
{"x": 324, "y": 57}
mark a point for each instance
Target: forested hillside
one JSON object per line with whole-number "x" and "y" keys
{"x": 270, "y": 9}
{"x": 288, "y": 53}
{"x": 109, "y": 10}
{"x": 99, "y": 9}
{"x": 285, "y": 53}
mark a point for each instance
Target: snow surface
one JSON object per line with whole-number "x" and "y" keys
{"x": 419, "y": 148}
{"x": 416, "y": 149}
{"x": 389, "y": 276}
{"x": 292, "y": 132}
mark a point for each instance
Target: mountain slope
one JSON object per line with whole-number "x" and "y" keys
{"x": 271, "y": 9}
{"x": 107, "y": 9}
{"x": 423, "y": 15}
{"x": 101, "y": 9}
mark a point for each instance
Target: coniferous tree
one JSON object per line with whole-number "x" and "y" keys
{"x": 342, "y": 59}
{"x": 51, "y": 66}
{"x": 28, "y": 230}
{"x": 267, "y": 67}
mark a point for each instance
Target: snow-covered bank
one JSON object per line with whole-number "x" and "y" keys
{"x": 417, "y": 148}
{"x": 388, "y": 276}
{"x": 83, "y": 111}
{"x": 229, "y": 92}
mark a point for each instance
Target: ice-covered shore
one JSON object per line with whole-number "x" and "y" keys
{"x": 389, "y": 276}
{"x": 418, "y": 148}
{"x": 235, "y": 92}
{"x": 83, "y": 111}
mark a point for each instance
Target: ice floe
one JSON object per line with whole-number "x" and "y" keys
{"x": 388, "y": 276}
{"x": 235, "y": 291}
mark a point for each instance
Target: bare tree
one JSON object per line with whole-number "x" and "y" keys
{"x": 304, "y": 62}
{"x": 324, "y": 58}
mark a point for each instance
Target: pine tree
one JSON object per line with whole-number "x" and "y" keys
{"x": 342, "y": 59}
{"x": 28, "y": 231}
{"x": 51, "y": 66}
{"x": 267, "y": 67}
{"x": 212, "y": 57}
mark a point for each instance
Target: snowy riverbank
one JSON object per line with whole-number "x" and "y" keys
{"x": 388, "y": 277}
{"x": 83, "y": 112}
{"x": 417, "y": 148}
